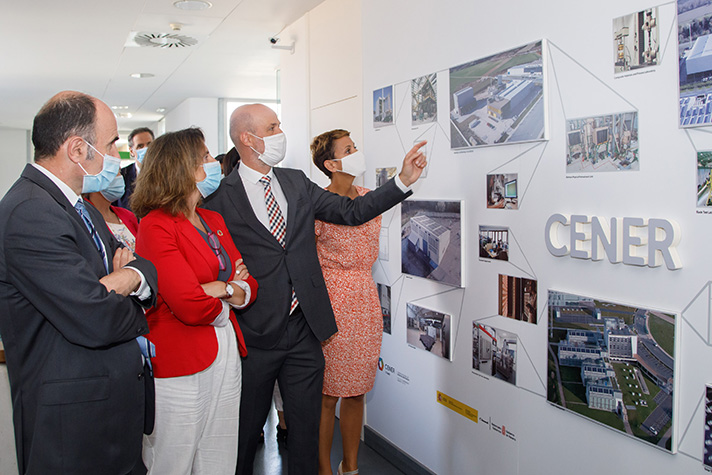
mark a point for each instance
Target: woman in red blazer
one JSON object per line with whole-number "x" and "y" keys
{"x": 200, "y": 278}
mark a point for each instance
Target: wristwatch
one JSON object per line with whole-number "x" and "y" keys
{"x": 229, "y": 290}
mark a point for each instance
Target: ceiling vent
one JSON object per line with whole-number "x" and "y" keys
{"x": 164, "y": 40}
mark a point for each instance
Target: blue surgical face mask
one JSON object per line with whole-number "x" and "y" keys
{"x": 211, "y": 181}
{"x": 140, "y": 154}
{"x": 100, "y": 181}
{"x": 115, "y": 190}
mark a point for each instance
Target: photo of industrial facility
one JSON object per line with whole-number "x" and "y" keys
{"x": 603, "y": 143}
{"x": 695, "y": 62}
{"x": 502, "y": 191}
{"x": 384, "y": 295}
{"x": 428, "y": 330}
{"x": 424, "y": 99}
{"x": 707, "y": 444}
{"x": 431, "y": 241}
{"x": 494, "y": 352}
{"x": 383, "y": 107}
{"x": 636, "y": 41}
{"x": 384, "y": 174}
{"x": 704, "y": 190}
{"x": 494, "y": 242}
{"x": 517, "y": 298}
{"x": 614, "y": 364}
{"x": 498, "y": 99}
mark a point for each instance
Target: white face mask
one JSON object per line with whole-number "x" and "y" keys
{"x": 353, "y": 164}
{"x": 275, "y": 148}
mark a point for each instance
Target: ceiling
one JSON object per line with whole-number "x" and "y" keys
{"x": 87, "y": 45}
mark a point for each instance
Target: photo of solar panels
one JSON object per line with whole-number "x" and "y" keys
{"x": 695, "y": 63}
{"x": 498, "y": 99}
{"x": 613, "y": 364}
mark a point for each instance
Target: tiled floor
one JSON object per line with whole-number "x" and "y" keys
{"x": 271, "y": 459}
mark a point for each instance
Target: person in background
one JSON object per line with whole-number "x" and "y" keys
{"x": 121, "y": 222}
{"x": 139, "y": 140}
{"x": 72, "y": 302}
{"x": 198, "y": 341}
{"x": 346, "y": 255}
{"x": 270, "y": 212}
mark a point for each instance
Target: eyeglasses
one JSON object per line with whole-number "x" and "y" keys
{"x": 215, "y": 245}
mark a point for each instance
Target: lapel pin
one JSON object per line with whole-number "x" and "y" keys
{"x": 219, "y": 233}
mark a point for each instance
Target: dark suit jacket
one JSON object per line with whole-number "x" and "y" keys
{"x": 75, "y": 368}
{"x": 129, "y": 174}
{"x": 277, "y": 269}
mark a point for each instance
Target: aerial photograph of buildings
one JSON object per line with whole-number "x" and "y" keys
{"x": 614, "y": 364}
{"x": 428, "y": 330}
{"x": 502, "y": 191}
{"x": 604, "y": 143}
{"x": 498, "y": 99}
{"x": 517, "y": 298}
{"x": 431, "y": 244}
{"x": 383, "y": 107}
{"x": 704, "y": 190}
{"x": 694, "y": 33}
{"x": 494, "y": 242}
{"x": 636, "y": 42}
{"x": 424, "y": 99}
{"x": 494, "y": 352}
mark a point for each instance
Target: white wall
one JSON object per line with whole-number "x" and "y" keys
{"x": 8, "y": 457}
{"x": 16, "y": 147}
{"x": 195, "y": 112}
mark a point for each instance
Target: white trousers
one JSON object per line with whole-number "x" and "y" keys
{"x": 197, "y": 417}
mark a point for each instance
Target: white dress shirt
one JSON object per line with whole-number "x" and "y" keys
{"x": 256, "y": 193}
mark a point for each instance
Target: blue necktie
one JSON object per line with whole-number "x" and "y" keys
{"x": 81, "y": 209}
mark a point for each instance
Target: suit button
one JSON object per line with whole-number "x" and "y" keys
{"x": 140, "y": 376}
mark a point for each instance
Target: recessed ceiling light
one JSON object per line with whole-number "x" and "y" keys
{"x": 142, "y": 75}
{"x": 161, "y": 110}
{"x": 119, "y": 108}
{"x": 125, "y": 115}
{"x": 192, "y": 5}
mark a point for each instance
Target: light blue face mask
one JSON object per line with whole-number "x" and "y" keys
{"x": 211, "y": 181}
{"x": 102, "y": 180}
{"x": 115, "y": 190}
{"x": 140, "y": 154}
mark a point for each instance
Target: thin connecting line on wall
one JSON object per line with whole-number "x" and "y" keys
{"x": 543, "y": 384}
{"x": 561, "y": 99}
{"x": 672, "y": 27}
{"x": 530, "y": 274}
{"x": 515, "y": 157}
{"x": 684, "y": 434}
{"x": 531, "y": 177}
{"x": 684, "y": 319}
{"x": 689, "y": 136}
{"x": 385, "y": 271}
{"x": 485, "y": 318}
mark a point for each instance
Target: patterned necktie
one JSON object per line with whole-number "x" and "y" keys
{"x": 81, "y": 209}
{"x": 277, "y": 225}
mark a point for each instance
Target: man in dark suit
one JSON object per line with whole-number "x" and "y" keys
{"x": 292, "y": 314}
{"x": 139, "y": 139}
{"x": 71, "y": 303}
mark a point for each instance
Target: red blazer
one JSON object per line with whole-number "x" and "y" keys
{"x": 179, "y": 323}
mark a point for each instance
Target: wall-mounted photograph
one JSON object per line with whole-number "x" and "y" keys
{"x": 428, "y": 330}
{"x": 494, "y": 242}
{"x": 694, "y": 32}
{"x": 424, "y": 99}
{"x": 494, "y": 352}
{"x": 431, "y": 241}
{"x": 384, "y": 174}
{"x": 518, "y": 298}
{"x": 636, "y": 41}
{"x": 383, "y": 107}
{"x": 704, "y": 190}
{"x": 613, "y": 364}
{"x": 606, "y": 143}
{"x": 502, "y": 191}
{"x": 384, "y": 295}
{"x": 499, "y": 99}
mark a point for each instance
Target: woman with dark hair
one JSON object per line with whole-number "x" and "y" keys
{"x": 346, "y": 254}
{"x": 198, "y": 341}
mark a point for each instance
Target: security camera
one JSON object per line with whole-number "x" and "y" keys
{"x": 274, "y": 40}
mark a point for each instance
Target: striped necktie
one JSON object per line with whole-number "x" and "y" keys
{"x": 81, "y": 209}
{"x": 277, "y": 225}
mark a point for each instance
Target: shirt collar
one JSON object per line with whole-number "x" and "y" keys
{"x": 63, "y": 187}
{"x": 251, "y": 175}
